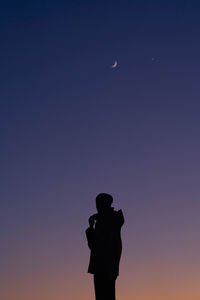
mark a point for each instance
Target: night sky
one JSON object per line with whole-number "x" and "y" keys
{"x": 71, "y": 127}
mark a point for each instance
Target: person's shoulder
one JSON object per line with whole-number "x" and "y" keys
{"x": 120, "y": 216}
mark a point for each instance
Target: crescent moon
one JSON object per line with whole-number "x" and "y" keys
{"x": 114, "y": 65}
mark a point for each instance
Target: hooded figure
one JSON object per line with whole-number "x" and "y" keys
{"x": 104, "y": 241}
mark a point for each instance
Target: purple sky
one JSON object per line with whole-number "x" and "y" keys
{"x": 72, "y": 127}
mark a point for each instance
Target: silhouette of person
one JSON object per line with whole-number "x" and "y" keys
{"x": 104, "y": 241}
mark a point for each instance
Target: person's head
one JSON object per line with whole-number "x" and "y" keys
{"x": 103, "y": 202}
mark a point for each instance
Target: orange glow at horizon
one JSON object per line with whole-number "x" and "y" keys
{"x": 151, "y": 282}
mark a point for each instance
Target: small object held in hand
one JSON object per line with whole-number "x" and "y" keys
{"x": 91, "y": 221}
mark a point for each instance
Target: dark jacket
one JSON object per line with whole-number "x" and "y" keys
{"x": 104, "y": 241}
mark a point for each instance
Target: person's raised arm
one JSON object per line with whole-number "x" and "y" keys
{"x": 90, "y": 232}
{"x": 120, "y": 218}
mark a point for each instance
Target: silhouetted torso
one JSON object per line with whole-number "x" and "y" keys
{"x": 104, "y": 241}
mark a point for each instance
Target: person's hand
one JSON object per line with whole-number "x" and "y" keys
{"x": 91, "y": 221}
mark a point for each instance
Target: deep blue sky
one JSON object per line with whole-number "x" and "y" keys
{"x": 71, "y": 127}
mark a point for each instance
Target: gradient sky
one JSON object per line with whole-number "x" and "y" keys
{"x": 72, "y": 127}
